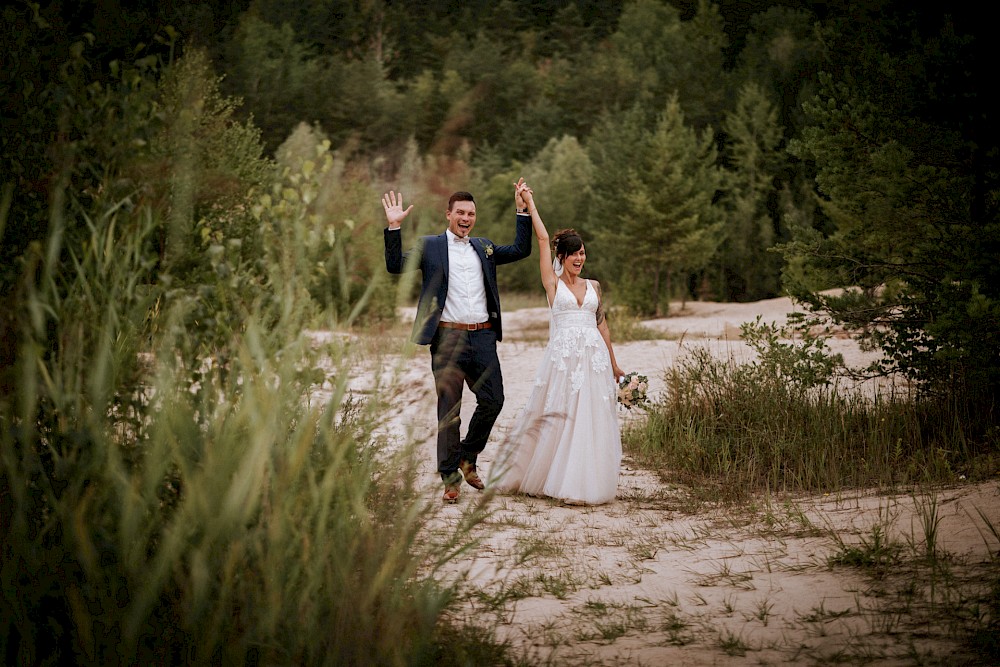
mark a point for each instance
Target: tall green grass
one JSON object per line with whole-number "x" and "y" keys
{"x": 157, "y": 510}
{"x": 184, "y": 476}
{"x": 779, "y": 423}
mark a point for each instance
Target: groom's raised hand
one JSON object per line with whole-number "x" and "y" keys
{"x": 394, "y": 213}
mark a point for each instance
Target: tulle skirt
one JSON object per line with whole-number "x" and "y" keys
{"x": 566, "y": 443}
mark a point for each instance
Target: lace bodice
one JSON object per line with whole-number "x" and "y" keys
{"x": 574, "y": 342}
{"x": 566, "y": 312}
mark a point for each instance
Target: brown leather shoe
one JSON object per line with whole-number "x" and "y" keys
{"x": 471, "y": 476}
{"x": 450, "y": 493}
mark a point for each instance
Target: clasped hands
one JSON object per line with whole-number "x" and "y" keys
{"x": 523, "y": 194}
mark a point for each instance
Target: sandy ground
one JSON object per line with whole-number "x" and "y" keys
{"x": 654, "y": 579}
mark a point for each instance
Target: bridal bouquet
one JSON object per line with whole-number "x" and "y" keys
{"x": 632, "y": 390}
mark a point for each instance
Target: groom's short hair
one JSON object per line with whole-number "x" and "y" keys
{"x": 460, "y": 196}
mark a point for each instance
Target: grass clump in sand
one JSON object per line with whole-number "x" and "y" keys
{"x": 782, "y": 423}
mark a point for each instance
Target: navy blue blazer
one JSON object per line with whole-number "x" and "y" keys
{"x": 431, "y": 257}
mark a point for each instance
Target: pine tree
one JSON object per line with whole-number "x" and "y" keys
{"x": 614, "y": 149}
{"x": 906, "y": 166}
{"x": 666, "y": 226}
{"x": 673, "y": 57}
{"x": 650, "y": 40}
{"x": 748, "y": 270}
{"x": 702, "y": 81}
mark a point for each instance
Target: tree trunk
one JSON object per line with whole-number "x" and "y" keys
{"x": 667, "y": 282}
{"x": 656, "y": 291}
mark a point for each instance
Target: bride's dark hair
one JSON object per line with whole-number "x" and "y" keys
{"x": 566, "y": 242}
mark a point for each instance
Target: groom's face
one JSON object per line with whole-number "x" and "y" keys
{"x": 462, "y": 218}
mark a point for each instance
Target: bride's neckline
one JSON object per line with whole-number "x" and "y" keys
{"x": 586, "y": 287}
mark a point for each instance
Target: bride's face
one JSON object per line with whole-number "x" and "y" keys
{"x": 574, "y": 262}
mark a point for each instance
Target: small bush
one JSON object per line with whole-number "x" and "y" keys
{"x": 779, "y": 423}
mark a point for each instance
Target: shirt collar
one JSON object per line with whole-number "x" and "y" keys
{"x": 452, "y": 237}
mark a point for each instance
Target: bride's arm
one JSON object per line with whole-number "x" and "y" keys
{"x": 602, "y": 326}
{"x": 549, "y": 277}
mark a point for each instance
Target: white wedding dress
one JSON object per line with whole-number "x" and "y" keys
{"x": 567, "y": 443}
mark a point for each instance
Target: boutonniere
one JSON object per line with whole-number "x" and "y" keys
{"x": 488, "y": 249}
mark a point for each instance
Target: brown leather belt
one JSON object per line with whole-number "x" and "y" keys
{"x": 465, "y": 327}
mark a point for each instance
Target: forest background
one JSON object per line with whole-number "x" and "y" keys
{"x": 204, "y": 178}
{"x": 729, "y": 151}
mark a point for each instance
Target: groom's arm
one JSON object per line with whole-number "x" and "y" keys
{"x": 397, "y": 261}
{"x": 392, "y": 204}
{"x": 521, "y": 247}
{"x": 393, "y": 250}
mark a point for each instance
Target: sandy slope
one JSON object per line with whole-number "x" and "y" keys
{"x": 651, "y": 579}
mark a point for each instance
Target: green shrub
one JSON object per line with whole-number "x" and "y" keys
{"x": 779, "y": 423}
{"x": 184, "y": 477}
{"x": 237, "y": 510}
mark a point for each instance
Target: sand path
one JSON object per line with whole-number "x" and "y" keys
{"x": 653, "y": 579}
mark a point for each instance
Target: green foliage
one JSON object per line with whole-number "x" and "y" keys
{"x": 563, "y": 171}
{"x": 498, "y": 82}
{"x": 496, "y": 86}
{"x": 74, "y": 152}
{"x": 877, "y": 553}
{"x": 674, "y": 58}
{"x": 229, "y": 523}
{"x": 229, "y": 508}
{"x": 703, "y": 84}
{"x": 593, "y": 83}
{"x": 206, "y": 162}
{"x": 626, "y": 327}
{"x": 783, "y": 52}
{"x": 272, "y": 72}
{"x": 665, "y": 224}
{"x": 649, "y": 38}
{"x": 344, "y": 265}
{"x": 778, "y": 424}
{"x": 285, "y": 80}
{"x": 916, "y": 226}
{"x": 748, "y": 272}
{"x": 805, "y": 364}
{"x": 616, "y": 139}
{"x": 427, "y": 97}
{"x": 184, "y": 476}
{"x": 184, "y": 479}
{"x": 211, "y": 158}
{"x": 560, "y": 174}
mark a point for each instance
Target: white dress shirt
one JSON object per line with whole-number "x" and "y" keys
{"x": 466, "y": 299}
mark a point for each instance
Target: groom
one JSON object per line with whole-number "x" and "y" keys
{"x": 458, "y": 315}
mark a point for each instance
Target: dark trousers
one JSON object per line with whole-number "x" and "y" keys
{"x": 459, "y": 358}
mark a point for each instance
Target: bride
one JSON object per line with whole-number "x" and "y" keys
{"x": 567, "y": 443}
